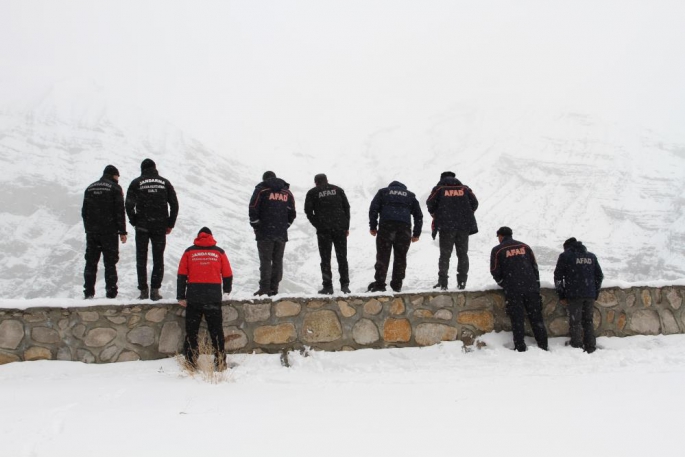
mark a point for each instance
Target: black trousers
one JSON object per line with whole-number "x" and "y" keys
{"x": 326, "y": 242}
{"x": 107, "y": 245}
{"x": 212, "y": 314}
{"x": 158, "y": 240}
{"x": 460, "y": 241}
{"x": 392, "y": 237}
{"x": 270, "y": 264}
{"x": 518, "y": 305}
{"x": 580, "y": 311}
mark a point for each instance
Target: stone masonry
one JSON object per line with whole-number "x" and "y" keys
{"x": 103, "y": 334}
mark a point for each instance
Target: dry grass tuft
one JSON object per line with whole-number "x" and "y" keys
{"x": 205, "y": 368}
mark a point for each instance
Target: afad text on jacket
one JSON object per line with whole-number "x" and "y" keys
{"x": 272, "y": 210}
{"x": 396, "y": 203}
{"x": 513, "y": 266}
{"x": 577, "y": 274}
{"x": 327, "y": 208}
{"x": 452, "y": 205}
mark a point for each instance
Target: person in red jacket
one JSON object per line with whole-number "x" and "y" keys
{"x": 204, "y": 271}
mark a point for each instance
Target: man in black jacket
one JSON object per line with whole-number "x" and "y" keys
{"x": 578, "y": 278}
{"x": 152, "y": 208}
{"x": 513, "y": 266}
{"x": 271, "y": 211}
{"x": 328, "y": 211}
{"x": 105, "y": 223}
{"x": 452, "y": 205}
{"x": 396, "y": 206}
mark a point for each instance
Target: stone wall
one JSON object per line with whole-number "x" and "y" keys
{"x": 102, "y": 334}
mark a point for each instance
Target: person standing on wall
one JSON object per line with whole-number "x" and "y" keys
{"x": 152, "y": 208}
{"x": 577, "y": 279}
{"x": 452, "y": 206}
{"x": 396, "y": 206}
{"x": 204, "y": 271}
{"x": 104, "y": 220}
{"x": 513, "y": 266}
{"x": 271, "y": 212}
{"x": 328, "y": 210}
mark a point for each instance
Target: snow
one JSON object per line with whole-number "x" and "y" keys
{"x": 566, "y": 120}
{"x": 625, "y": 398}
{"x": 9, "y": 303}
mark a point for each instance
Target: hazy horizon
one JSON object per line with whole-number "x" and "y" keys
{"x": 268, "y": 78}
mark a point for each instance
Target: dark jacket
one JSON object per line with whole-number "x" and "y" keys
{"x": 327, "y": 208}
{"x": 396, "y": 203}
{"x": 578, "y": 274}
{"x": 513, "y": 266}
{"x": 203, "y": 272}
{"x": 103, "y": 207}
{"x": 272, "y": 210}
{"x": 452, "y": 206}
{"x": 151, "y": 202}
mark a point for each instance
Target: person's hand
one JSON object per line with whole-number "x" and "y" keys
{"x": 123, "y": 238}
{"x": 347, "y": 233}
{"x": 168, "y": 230}
{"x": 414, "y": 239}
{"x": 183, "y": 303}
{"x": 373, "y": 232}
{"x": 564, "y": 302}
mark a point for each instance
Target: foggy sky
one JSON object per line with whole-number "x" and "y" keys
{"x": 319, "y": 76}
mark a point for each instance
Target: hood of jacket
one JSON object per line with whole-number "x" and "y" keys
{"x": 275, "y": 184}
{"x": 150, "y": 172}
{"x": 449, "y": 181}
{"x": 578, "y": 247}
{"x": 204, "y": 240}
{"x": 110, "y": 178}
{"x": 398, "y": 184}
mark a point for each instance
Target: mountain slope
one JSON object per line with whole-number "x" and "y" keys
{"x": 549, "y": 174}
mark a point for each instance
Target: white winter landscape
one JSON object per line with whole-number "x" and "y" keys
{"x": 565, "y": 118}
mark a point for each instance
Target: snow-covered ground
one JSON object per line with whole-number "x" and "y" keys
{"x": 626, "y": 399}
{"x": 566, "y": 120}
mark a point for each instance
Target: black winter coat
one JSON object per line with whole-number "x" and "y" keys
{"x": 327, "y": 208}
{"x": 578, "y": 274}
{"x": 272, "y": 210}
{"x": 103, "y": 207}
{"x": 151, "y": 202}
{"x": 396, "y": 203}
{"x": 513, "y": 266}
{"x": 452, "y": 206}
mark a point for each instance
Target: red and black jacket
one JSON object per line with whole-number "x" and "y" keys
{"x": 203, "y": 270}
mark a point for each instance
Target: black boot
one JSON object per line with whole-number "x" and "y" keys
{"x": 327, "y": 290}
{"x": 461, "y": 281}
{"x": 375, "y": 287}
{"x": 261, "y": 292}
{"x": 154, "y": 295}
{"x": 144, "y": 294}
{"x": 345, "y": 288}
{"x": 442, "y": 284}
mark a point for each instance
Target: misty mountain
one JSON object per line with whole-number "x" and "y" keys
{"x": 549, "y": 174}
